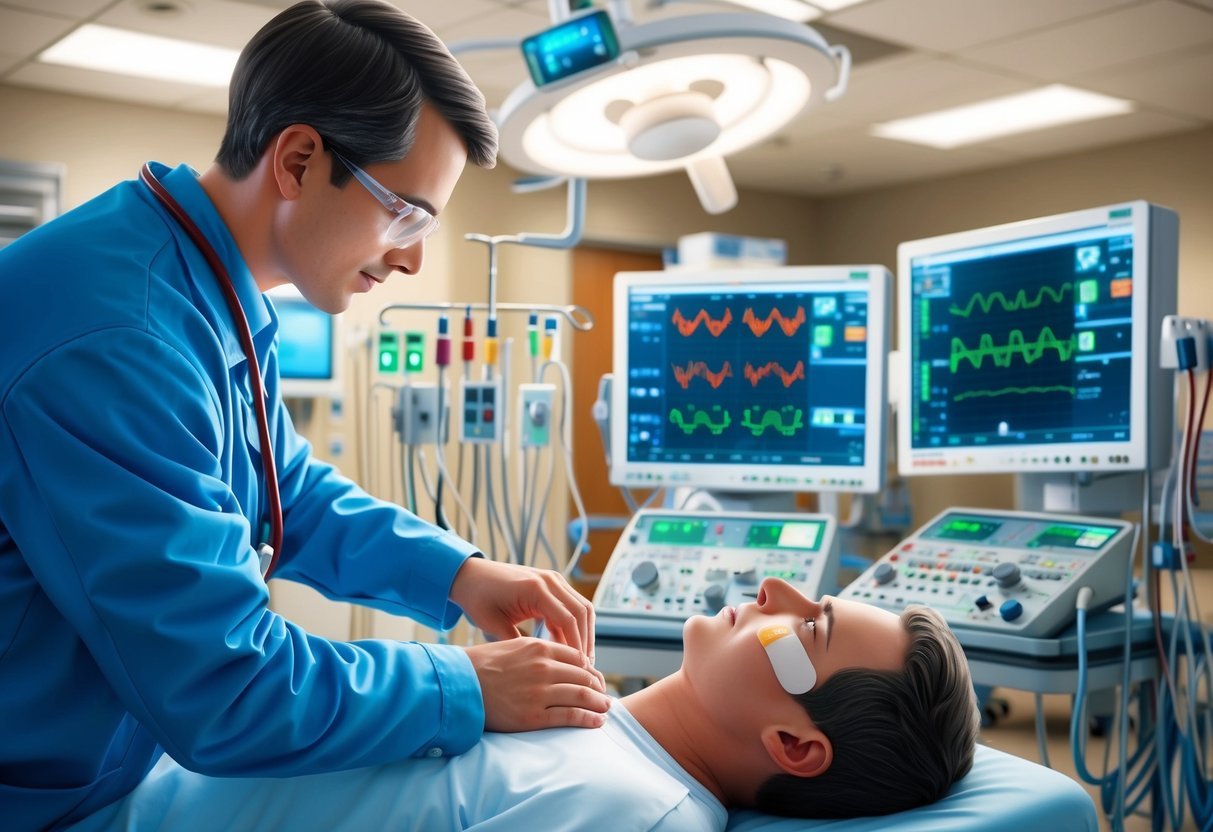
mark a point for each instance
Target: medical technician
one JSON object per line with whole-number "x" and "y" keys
{"x": 150, "y": 476}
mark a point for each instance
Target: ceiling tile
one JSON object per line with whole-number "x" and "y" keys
{"x": 213, "y": 102}
{"x": 7, "y": 62}
{"x": 1119, "y": 37}
{"x": 946, "y": 25}
{"x": 1089, "y": 134}
{"x": 22, "y": 33}
{"x": 816, "y": 122}
{"x": 1181, "y": 83}
{"x": 100, "y": 84}
{"x": 642, "y": 12}
{"x": 918, "y": 84}
{"x": 442, "y": 16}
{"x": 496, "y": 72}
{"x": 76, "y": 9}
{"x": 501, "y": 23}
{"x": 851, "y": 160}
{"x": 216, "y": 22}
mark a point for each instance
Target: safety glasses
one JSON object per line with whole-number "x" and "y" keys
{"x": 412, "y": 223}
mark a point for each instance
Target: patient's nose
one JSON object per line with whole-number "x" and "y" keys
{"x": 777, "y": 595}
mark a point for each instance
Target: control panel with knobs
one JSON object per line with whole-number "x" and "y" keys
{"x": 1005, "y": 571}
{"x": 670, "y": 565}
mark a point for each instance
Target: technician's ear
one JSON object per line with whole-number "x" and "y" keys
{"x": 799, "y": 752}
{"x": 292, "y": 151}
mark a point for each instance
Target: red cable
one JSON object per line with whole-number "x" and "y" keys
{"x": 1186, "y": 464}
{"x": 1199, "y": 428}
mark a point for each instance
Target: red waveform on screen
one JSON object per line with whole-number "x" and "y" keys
{"x": 756, "y": 374}
{"x": 697, "y": 368}
{"x": 788, "y": 325}
{"x": 687, "y": 327}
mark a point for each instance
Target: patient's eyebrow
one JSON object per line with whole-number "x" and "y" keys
{"x": 828, "y": 609}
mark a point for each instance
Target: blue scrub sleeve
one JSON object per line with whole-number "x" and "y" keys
{"x": 351, "y": 546}
{"x": 118, "y": 501}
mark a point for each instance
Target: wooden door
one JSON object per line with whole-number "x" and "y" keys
{"x": 594, "y": 271}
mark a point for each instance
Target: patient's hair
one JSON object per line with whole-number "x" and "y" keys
{"x": 901, "y": 738}
{"x": 358, "y": 71}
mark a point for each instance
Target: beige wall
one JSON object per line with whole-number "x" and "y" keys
{"x": 101, "y": 143}
{"x": 1175, "y": 171}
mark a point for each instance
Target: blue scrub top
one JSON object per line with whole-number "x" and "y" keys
{"x": 133, "y": 616}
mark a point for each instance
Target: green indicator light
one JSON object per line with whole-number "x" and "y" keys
{"x": 1088, "y": 291}
{"x": 685, "y": 533}
{"x": 389, "y": 352}
{"x": 1120, "y": 214}
{"x": 966, "y": 529}
{"x": 414, "y": 352}
{"x": 763, "y": 535}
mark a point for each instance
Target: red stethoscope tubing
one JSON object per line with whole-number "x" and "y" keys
{"x": 246, "y": 342}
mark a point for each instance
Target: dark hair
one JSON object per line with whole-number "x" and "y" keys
{"x": 901, "y": 738}
{"x": 358, "y": 72}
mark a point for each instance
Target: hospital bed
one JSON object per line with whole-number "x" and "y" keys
{"x": 1001, "y": 793}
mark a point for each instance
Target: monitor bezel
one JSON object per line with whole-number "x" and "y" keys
{"x": 865, "y": 478}
{"x": 1060, "y": 457}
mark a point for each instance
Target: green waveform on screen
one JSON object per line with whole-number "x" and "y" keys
{"x": 1015, "y": 304}
{"x": 1013, "y": 391}
{"x": 787, "y": 420}
{"x": 694, "y": 419}
{"x": 1003, "y": 354}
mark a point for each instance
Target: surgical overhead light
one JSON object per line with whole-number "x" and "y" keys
{"x": 682, "y": 93}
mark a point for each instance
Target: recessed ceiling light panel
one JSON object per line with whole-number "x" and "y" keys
{"x": 123, "y": 52}
{"x": 1049, "y": 106}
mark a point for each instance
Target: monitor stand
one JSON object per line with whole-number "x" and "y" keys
{"x": 1079, "y": 493}
{"x": 703, "y": 499}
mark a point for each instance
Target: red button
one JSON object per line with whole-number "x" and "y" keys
{"x": 487, "y": 415}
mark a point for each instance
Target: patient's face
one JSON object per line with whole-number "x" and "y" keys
{"x": 724, "y": 658}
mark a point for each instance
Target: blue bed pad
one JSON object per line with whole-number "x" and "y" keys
{"x": 1001, "y": 793}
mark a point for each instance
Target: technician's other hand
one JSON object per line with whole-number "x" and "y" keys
{"x": 498, "y": 596}
{"x": 528, "y": 684}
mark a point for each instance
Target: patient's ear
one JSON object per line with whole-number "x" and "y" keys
{"x": 801, "y": 752}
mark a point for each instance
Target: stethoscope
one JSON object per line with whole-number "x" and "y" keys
{"x": 266, "y": 552}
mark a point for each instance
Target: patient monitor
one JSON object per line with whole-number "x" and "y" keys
{"x": 769, "y": 380}
{"x": 1032, "y": 347}
{"x": 743, "y": 380}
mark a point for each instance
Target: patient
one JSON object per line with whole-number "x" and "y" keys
{"x": 890, "y": 722}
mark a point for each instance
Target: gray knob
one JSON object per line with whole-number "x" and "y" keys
{"x": 885, "y": 573}
{"x": 746, "y": 576}
{"x": 1007, "y": 575}
{"x": 538, "y": 413}
{"x": 646, "y": 576}
{"x": 713, "y": 597}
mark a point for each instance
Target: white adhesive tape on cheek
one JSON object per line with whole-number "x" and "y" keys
{"x": 793, "y": 668}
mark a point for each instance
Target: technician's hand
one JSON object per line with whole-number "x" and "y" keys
{"x": 497, "y": 597}
{"x": 528, "y": 683}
